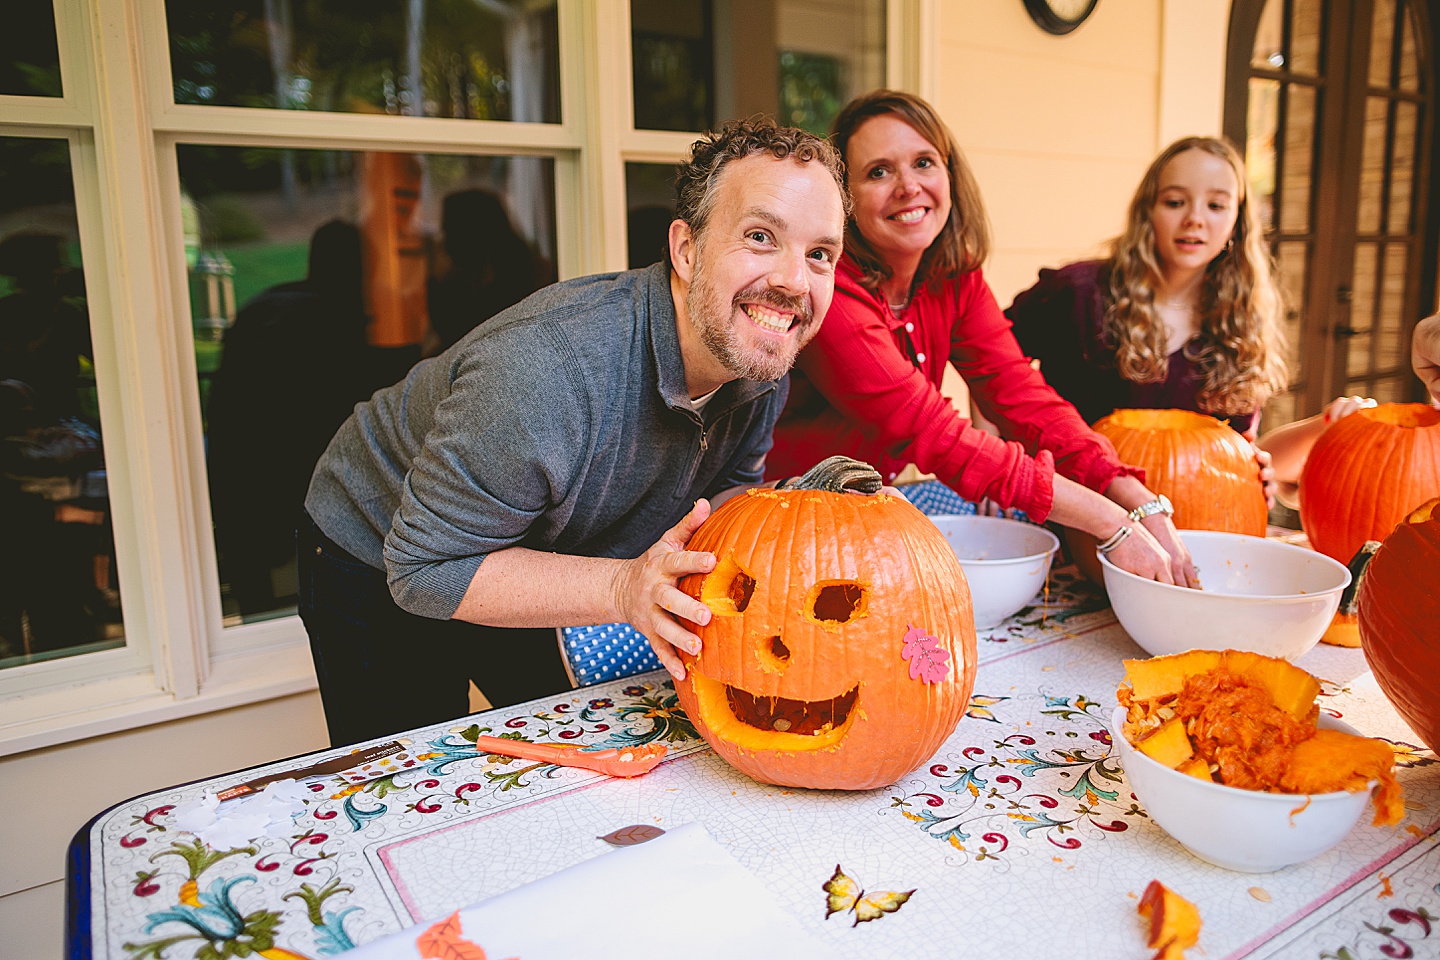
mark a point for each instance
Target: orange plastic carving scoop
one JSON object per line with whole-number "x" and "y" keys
{"x": 613, "y": 762}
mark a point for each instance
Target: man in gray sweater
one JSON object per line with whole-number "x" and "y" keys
{"x": 549, "y": 469}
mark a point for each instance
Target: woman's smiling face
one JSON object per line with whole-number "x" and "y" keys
{"x": 900, "y": 187}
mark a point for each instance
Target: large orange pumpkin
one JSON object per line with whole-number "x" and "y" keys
{"x": 841, "y": 650}
{"x": 1399, "y": 618}
{"x": 1366, "y": 472}
{"x": 1206, "y": 469}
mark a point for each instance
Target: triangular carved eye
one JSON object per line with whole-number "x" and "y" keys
{"x": 833, "y": 602}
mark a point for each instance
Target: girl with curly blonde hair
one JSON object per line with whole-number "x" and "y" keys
{"x": 1184, "y": 314}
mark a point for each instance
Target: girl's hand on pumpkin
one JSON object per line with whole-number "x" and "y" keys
{"x": 1267, "y": 475}
{"x": 647, "y": 595}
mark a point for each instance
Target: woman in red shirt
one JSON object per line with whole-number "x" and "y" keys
{"x": 909, "y": 295}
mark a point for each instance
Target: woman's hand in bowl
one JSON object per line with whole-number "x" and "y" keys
{"x": 1182, "y": 568}
{"x": 1141, "y": 554}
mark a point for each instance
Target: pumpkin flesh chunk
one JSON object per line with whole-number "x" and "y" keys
{"x": 1174, "y": 921}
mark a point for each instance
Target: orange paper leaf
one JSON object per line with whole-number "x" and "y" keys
{"x": 443, "y": 942}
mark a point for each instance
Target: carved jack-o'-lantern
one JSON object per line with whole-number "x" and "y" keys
{"x": 841, "y": 650}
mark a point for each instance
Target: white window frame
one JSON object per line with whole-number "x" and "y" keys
{"x": 119, "y": 116}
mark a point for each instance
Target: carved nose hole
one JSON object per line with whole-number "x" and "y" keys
{"x": 838, "y": 602}
{"x": 741, "y": 587}
{"x": 778, "y": 650}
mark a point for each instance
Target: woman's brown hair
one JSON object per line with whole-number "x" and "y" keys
{"x": 1240, "y": 353}
{"x": 964, "y": 240}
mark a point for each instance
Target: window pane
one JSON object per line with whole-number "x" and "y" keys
{"x": 650, "y": 206}
{"x": 1388, "y": 347}
{"x": 1291, "y": 267}
{"x": 1270, "y": 37}
{"x": 1305, "y": 20}
{"x": 1409, "y": 59}
{"x": 1382, "y": 36}
{"x": 1372, "y": 164}
{"x": 29, "y": 54}
{"x": 58, "y": 595}
{"x": 1402, "y": 167}
{"x": 1263, "y": 119}
{"x": 1362, "y": 299}
{"x": 346, "y": 267}
{"x": 479, "y": 61}
{"x": 1299, "y": 147}
{"x": 697, "y": 63}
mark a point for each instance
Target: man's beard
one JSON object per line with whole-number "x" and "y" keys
{"x": 763, "y": 360}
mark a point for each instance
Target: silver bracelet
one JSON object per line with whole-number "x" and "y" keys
{"x": 1114, "y": 540}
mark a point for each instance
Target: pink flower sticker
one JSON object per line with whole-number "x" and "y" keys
{"x": 928, "y": 662}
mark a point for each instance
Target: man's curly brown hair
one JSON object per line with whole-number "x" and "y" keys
{"x": 696, "y": 180}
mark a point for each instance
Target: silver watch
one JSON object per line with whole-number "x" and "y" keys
{"x": 1161, "y": 504}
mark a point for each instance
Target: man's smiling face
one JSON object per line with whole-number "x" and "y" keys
{"x": 759, "y": 277}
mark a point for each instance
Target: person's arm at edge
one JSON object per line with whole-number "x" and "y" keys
{"x": 1425, "y": 354}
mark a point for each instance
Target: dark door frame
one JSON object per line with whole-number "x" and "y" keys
{"x": 1329, "y": 276}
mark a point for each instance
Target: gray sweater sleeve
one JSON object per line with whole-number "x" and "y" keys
{"x": 505, "y": 444}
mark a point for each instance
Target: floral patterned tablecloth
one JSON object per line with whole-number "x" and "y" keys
{"x": 1020, "y": 838}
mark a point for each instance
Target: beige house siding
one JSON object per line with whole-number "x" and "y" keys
{"x": 1058, "y": 130}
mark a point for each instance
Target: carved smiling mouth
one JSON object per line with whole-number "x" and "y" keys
{"x": 803, "y": 717}
{"x": 755, "y": 722}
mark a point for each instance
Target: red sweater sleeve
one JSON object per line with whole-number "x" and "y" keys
{"x": 1016, "y": 398}
{"x": 860, "y": 367}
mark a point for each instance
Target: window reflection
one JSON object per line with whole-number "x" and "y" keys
{"x": 497, "y": 60}
{"x": 700, "y": 62}
{"x": 29, "y": 53}
{"x": 650, "y": 207}
{"x": 313, "y": 288}
{"x": 58, "y": 586}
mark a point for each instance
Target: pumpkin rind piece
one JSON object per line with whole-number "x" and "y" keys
{"x": 1366, "y": 472}
{"x": 1399, "y": 620}
{"x": 1165, "y": 676}
{"x": 1293, "y": 689}
{"x": 838, "y": 580}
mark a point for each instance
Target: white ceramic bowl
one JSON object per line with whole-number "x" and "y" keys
{"x": 1005, "y": 562}
{"x": 1246, "y": 830}
{"x": 1259, "y": 595}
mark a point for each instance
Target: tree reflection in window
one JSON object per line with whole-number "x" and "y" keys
{"x": 496, "y": 60}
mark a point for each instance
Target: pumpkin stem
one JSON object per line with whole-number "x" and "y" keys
{"x": 837, "y": 474}
{"x": 1359, "y": 565}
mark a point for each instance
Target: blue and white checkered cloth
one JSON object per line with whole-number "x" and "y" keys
{"x": 610, "y": 651}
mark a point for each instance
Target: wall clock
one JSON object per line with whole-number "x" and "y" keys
{"x": 1060, "y": 16}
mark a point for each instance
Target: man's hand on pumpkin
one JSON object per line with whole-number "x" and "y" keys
{"x": 648, "y": 597}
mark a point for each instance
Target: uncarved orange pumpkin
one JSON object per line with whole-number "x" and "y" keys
{"x": 1399, "y": 618}
{"x": 841, "y": 649}
{"x": 1206, "y": 469}
{"x": 1366, "y": 472}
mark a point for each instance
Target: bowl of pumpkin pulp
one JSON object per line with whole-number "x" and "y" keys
{"x": 1228, "y": 753}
